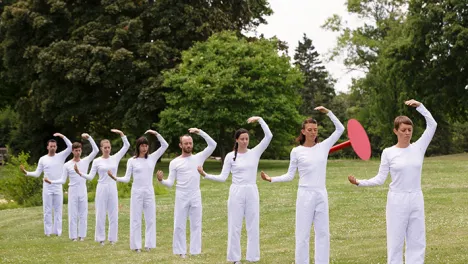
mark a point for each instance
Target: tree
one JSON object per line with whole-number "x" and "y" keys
{"x": 225, "y": 80}
{"x": 77, "y": 66}
{"x": 318, "y": 85}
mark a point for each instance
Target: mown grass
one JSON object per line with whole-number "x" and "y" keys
{"x": 357, "y": 220}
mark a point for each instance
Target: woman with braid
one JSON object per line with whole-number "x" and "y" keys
{"x": 243, "y": 194}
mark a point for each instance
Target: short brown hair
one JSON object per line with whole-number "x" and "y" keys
{"x": 402, "y": 120}
{"x": 186, "y": 135}
{"x": 76, "y": 145}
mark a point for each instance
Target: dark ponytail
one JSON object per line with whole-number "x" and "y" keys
{"x": 301, "y": 138}
{"x": 236, "y": 147}
{"x": 236, "y": 136}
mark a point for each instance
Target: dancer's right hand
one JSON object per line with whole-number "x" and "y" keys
{"x": 201, "y": 171}
{"x": 77, "y": 170}
{"x": 353, "y": 180}
{"x": 47, "y": 180}
{"x": 23, "y": 170}
{"x": 265, "y": 176}
{"x": 160, "y": 175}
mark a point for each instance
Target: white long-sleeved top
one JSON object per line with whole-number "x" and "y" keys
{"x": 83, "y": 165}
{"x": 244, "y": 168}
{"x": 184, "y": 169}
{"x": 142, "y": 168}
{"x": 102, "y": 165}
{"x": 312, "y": 161}
{"x": 405, "y": 164}
{"x": 52, "y": 166}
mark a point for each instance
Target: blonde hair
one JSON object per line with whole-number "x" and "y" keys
{"x": 104, "y": 141}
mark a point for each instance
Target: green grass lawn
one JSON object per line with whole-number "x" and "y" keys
{"x": 357, "y": 220}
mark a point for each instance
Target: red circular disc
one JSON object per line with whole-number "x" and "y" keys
{"x": 359, "y": 140}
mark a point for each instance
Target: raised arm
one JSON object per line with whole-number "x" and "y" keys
{"x": 260, "y": 148}
{"x": 64, "y": 153}
{"x": 211, "y": 144}
{"x": 289, "y": 176}
{"x": 125, "y": 147}
{"x": 224, "y": 172}
{"x": 339, "y": 129}
{"x": 169, "y": 182}
{"x": 128, "y": 172}
{"x": 93, "y": 145}
{"x": 431, "y": 125}
{"x": 37, "y": 172}
{"x": 160, "y": 151}
{"x": 380, "y": 178}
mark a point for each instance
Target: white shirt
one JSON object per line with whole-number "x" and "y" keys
{"x": 312, "y": 161}
{"x": 184, "y": 169}
{"x": 405, "y": 164}
{"x": 244, "y": 168}
{"x": 102, "y": 165}
{"x": 52, "y": 167}
{"x": 142, "y": 168}
{"x": 83, "y": 165}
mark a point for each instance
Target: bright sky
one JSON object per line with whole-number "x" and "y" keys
{"x": 293, "y": 18}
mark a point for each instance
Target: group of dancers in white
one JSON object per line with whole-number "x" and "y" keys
{"x": 405, "y": 203}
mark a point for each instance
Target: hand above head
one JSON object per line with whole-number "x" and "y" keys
{"x": 412, "y": 103}
{"x": 85, "y": 135}
{"x": 194, "y": 130}
{"x": 265, "y": 176}
{"x": 117, "y": 132}
{"x": 149, "y": 131}
{"x": 322, "y": 109}
{"x": 253, "y": 119}
{"x": 353, "y": 180}
{"x": 58, "y": 135}
{"x": 201, "y": 171}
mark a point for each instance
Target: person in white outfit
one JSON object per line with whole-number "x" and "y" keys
{"x": 142, "y": 200}
{"x": 405, "y": 201}
{"x": 244, "y": 201}
{"x": 77, "y": 191}
{"x": 183, "y": 169}
{"x": 52, "y": 195}
{"x": 310, "y": 159}
{"x": 106, "y": 201}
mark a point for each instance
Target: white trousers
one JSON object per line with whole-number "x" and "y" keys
{"x": 312, "y": 208}
{"x": 405, "y": 221}
{"x": 52, "y": 199}
{"x": 77, "y": 211}
{"x": 188, "y": 204}
{"x": 142, "y": 201}
{"x": 243, "y": 202}
{"x": 106, "y": 203}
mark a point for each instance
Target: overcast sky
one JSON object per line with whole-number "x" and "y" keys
{"x": 293, "y": 18}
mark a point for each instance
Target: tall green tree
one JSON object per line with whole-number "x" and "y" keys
{"x": 225, "y": 80}
{"x": 91, "y": 65}
{"x": 318, "y": 85}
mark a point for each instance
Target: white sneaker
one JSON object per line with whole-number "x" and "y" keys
{"x": 101, "y": 243}
{"x": 147, "y": 249}
{"x": 112, "y": 243}
{"x": 138, "y": 250}
{"x": 182, "y": 255}
{"x": 81, "y": 238}
{"x": 74, "y": 240}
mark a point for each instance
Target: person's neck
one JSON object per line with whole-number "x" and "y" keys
{"x": 105, "y": 156}
{"x": 402, "y": 144}
{"x": 76, "y": 159}
{"x": 51, "y": 154}
{"x": 142, "y": 156}
{"x": 309, "y": 143}
{"x": 241, "y": 150}
{"x": 185, "y": 154}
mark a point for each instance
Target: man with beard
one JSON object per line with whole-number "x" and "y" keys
{"x": 183, "y": 169}
{"x": 52, "y": 195}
